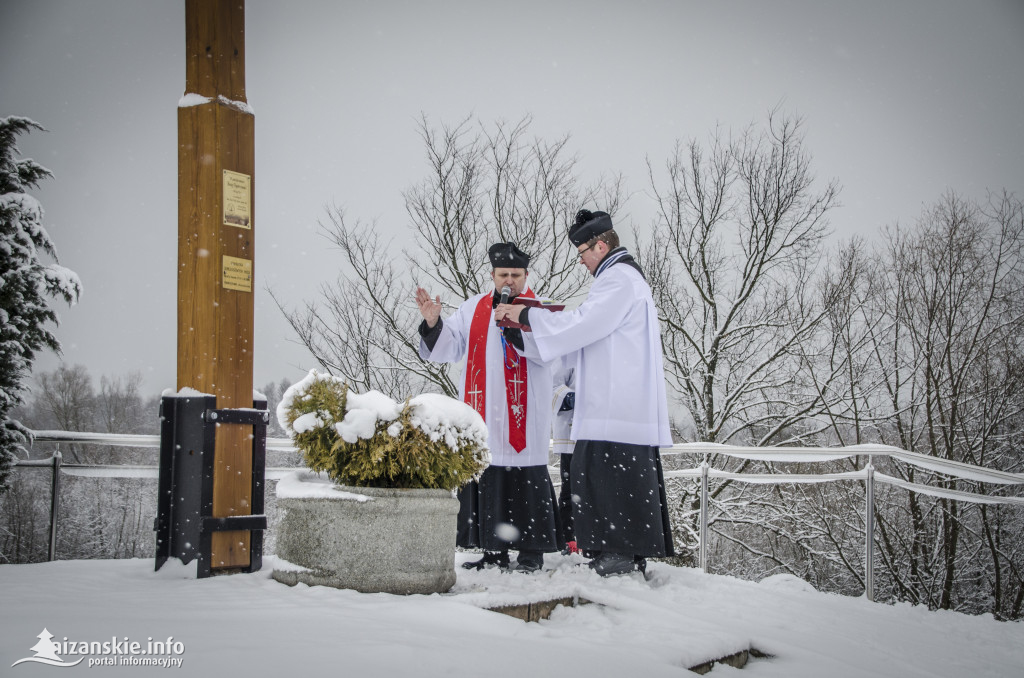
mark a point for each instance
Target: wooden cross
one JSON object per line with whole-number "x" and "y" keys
{"x": 216, "y": 248}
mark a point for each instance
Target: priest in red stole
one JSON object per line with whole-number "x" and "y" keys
{"x": 513, "y": 505}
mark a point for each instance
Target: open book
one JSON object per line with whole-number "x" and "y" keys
{"x": 532, "y": 302}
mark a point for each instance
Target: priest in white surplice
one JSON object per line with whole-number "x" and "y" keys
{"x": 513, "y": 505}
{"x": 621, "y": 411}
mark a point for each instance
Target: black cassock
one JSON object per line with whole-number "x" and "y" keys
{"x": 622, "y": 507}
{"x": 520, "y": 497}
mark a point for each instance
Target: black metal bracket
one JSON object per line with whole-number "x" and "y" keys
{"x": 235, "y": 523}
{"x": 185, "y": 523}
{"x": 247, "y": 417}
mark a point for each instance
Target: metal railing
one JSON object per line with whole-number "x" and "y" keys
{"x": 53, "y": 462}
{"x": 868, "y": 475}
{"x": 59, "y": 467}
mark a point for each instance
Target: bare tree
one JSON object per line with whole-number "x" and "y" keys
{"x": 119, "y": 406}
{"x": 67, "y": 395}
{"x": 274, "y": 392}
{"x": 735, "y": 265}
{"x": 483, "y": 185}
{"x": 929, "y": 332}
{"x": 732, "y": 262}
{"x": 945, "y": 333}
{"x": 65, "y": 399}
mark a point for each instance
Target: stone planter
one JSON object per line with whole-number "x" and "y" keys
{"x": 365, "y": 538}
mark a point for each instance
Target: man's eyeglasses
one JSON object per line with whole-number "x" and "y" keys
{"x": 585, "y": 249}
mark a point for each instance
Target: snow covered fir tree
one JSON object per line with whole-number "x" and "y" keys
{"x": 28, "y": 284}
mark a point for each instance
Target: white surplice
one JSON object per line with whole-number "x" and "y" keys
{"x": 620, "y": 382}
{"x": 452, "y": 345}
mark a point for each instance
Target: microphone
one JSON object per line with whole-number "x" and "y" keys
{"x": 505, "y": 291}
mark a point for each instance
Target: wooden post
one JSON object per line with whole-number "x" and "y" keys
{"x": 216, "y": 159}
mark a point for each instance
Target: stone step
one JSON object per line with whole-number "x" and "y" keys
{"x": 737, "y": 660}
{"x": 541, "y": 609}
{"x": 537, "y": 610}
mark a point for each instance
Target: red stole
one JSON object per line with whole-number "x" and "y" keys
{"x": 475, "y": 390}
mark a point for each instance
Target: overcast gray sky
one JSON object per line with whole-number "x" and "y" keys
{"x": 901, "y": 101}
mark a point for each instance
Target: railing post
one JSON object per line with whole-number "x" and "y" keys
{"x": 54, "y": 503}
{"x": 703, "y": 551}
{"x": 869, "y": 531}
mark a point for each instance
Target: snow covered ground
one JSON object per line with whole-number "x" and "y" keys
{"x": 250, "y": 625}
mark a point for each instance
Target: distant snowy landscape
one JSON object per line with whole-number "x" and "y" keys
{"x": 829, "y": 215}
{"x": 250, "y": 625}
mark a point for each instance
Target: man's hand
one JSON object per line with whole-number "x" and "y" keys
{"x": 430, "y": 309}
{"x": 510, "y": 311}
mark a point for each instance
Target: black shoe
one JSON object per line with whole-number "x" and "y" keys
{"x": 490, "y": 559}
{"x": 610, "y": 564}
{"x": 528, "y": 561}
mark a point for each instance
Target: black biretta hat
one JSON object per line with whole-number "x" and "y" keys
{"x": 587, "y": 225}
{"x": 507, "y": 255}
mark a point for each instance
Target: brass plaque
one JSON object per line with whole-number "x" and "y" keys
{"x": 237, "y": 274}
{"x": 237, "y": 199}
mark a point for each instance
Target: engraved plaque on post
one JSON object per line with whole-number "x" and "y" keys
{"x": 237, "y": 199}
{"x": 237, "y": 274}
